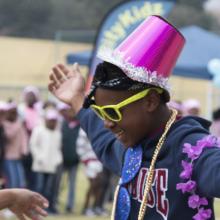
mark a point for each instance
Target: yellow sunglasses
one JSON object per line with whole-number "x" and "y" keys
{"x": 112, "y": 112}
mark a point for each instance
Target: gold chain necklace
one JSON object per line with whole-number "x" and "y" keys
{"x": 149, "y": 180}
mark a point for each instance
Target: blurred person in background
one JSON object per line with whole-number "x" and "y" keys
{"x": 45, "y": 145}
{"x": 215, "y": 126}
{"x": 3, "y": 108}
{"x": 70, "y": 130}
{"x": 15, "y": 148}
{"x": 191, "y": 107}
{"x": 94, "y": 172}
{"x": 176, "y": 105}
{"x": 49, "y": 104}
{"x": 30, "y": 111}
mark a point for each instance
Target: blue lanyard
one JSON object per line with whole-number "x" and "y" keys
{"x": 132, "y": 165}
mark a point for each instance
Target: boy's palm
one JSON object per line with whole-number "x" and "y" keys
{"x": 67, "y": 85}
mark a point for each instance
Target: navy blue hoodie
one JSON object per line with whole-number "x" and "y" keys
{"x": 164, "y": 202}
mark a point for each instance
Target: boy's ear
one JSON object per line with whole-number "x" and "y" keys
{"x": 152, "y": 101}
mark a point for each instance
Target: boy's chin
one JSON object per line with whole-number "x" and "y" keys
{"x": 129, "y": 144}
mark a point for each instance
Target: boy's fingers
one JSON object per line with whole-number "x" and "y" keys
{"x": 41, "y": 201}
{"x": 55, "y": 80}
{"x": 40, "y": 211}
{"x": 76, "y": 67}
{"x": 51, "y": 86}
{"x": 57, "y": 73}
{"x": 64, "y": 69}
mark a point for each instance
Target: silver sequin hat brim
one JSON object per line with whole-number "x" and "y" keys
{"x": 140, "y": 74}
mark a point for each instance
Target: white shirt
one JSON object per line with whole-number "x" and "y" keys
{"x": 45, "y": 146}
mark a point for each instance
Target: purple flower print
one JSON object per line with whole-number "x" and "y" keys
{"x": 195, "y": 201}
{"x": 187, "y": 170}
{"x": 186, "y": 187}
{"x": 193, "y": 152}
{"x": 203, "y": 214}
{"x": 208, "y": 141}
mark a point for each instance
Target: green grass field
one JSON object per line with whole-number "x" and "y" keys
{"x": 80, "y": 194}
{"x": 81, "y": 188}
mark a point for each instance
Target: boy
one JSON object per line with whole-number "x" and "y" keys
{"x": 148, "y": 146}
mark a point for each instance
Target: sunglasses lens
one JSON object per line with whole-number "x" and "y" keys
{"x": 112, "y": 114}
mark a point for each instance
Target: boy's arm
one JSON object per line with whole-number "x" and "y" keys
{"x": 206, "y": 167}
{"x": 207, "y": 172}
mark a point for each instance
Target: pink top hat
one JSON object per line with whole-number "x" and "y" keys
{"x": 149, "y": 53}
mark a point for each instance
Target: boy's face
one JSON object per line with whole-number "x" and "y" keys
{"x": 136, "y": 119}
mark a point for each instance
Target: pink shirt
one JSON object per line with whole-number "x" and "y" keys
{"x": 31, "y": 118}
{"x": 16, "y": 143}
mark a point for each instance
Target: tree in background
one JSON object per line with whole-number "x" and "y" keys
{"x": 191, "y": 12}
{"x": 42, "y": 18}
{"x": 213, "y": 7}
{"x": 24, "y": 17}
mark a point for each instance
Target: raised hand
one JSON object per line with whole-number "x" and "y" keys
{"x": 68, "y": 85}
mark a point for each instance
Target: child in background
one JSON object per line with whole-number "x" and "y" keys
{"x": 176, "y": 105}
{"x": 70, "y": 130}
{"x": 93, "y": 170}
{"x": 3, "y": 108}
{"x": 45, "y": 145}
{"x": 215, "y": 127}
{"x": 30, "y": 111}
{"x": 191, "y": 107}
{"x": 15, "y": 148}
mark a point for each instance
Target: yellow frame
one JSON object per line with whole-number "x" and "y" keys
{"x": 100, "y": 110}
